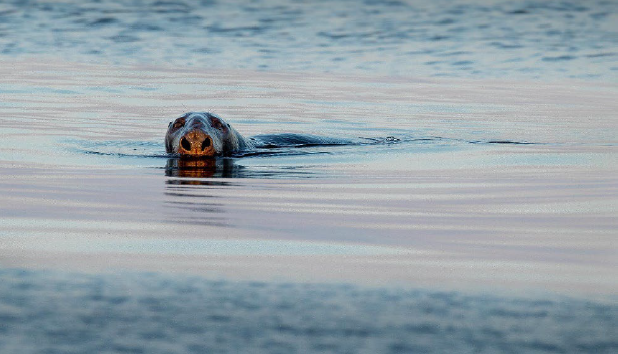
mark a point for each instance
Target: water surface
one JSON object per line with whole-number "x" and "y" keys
{"x": 461, "y": 38}
{"x": 460, "y": 184}
{"x": 475, "y": 212}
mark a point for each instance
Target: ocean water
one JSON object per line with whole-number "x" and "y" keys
{"x": 148, "y": 313}
{"x": 454, "y": 38}
{"x": 476, "y": 215}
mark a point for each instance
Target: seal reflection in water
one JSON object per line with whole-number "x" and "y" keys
{"x": 202, "y": 168}
{"x": 203, "y": 134}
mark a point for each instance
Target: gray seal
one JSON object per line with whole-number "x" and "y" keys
{"x": 203, "y": 134}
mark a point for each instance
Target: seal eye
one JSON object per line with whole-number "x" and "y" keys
{"x": 179, "y": 123}
{"x": 216, "y": 123}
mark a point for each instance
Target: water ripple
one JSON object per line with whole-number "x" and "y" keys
{"x": 558, "y": 39}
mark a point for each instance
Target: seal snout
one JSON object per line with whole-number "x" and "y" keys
{"x": 196, "y": 142}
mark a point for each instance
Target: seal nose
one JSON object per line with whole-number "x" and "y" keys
{"x": 185, "y": 144}
{"x": 195, "y": 143}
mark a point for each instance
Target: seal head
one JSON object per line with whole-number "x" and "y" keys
{"x": 203, "y": 134}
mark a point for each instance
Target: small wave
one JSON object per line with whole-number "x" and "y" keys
{"x": 463, "y": 63}
{"x": 167, "y": 7}
{"x": 118, "y": 148}
{"x": 277, "y": 145}
{"x": 504, "y": 142}
{"x": 503, "y": 45}
{"x": 103, "y": 21}
{"x": 237, "y": 30}
{"x": 599, "y": 55}
{"x": 559, "y": 58}
{"x": 518, "y": 12}
{"x": 123, "y": 38}
{"x": 120, "y": 154}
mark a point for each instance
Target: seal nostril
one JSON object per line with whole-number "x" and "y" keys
{"x": 185, "y": 144}
{"x": 205, "y": 143}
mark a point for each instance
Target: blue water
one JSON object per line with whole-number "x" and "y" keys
{"x": 51, "y": 312}
{"x": 481, "y": 39}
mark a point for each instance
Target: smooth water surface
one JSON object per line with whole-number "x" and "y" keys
{"x": 457, "y": 184}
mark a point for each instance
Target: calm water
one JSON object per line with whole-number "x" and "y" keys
{"x": 477, "y": 215}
